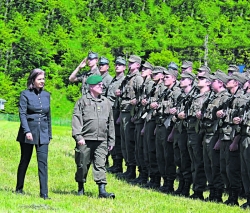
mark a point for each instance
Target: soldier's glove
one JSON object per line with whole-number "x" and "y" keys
{"x": 234, "y": 145}
{"x": 217, "y": 145}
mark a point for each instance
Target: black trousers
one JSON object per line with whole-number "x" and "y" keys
{"x": 42, "y": 160}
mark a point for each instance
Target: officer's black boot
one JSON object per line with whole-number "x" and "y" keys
{"x": 233, "y": 199}
{"x": 186, "y": 189}
{"x": 180, "y": 187}
{"x": 229, "y": 197}
{"x": 218, "y": 195}
{"x": 197, "y": 195}
{"x": 80, "y": 188}
{"x": 118, "y": 167}
{"x": 132, "y": 174}
{"x": 212, "y": 195}
{"x": 144, "y": 178}
{"x": 247, "y": 204}
{"x": 103, "y": 193}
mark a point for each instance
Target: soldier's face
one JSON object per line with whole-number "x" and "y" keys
{"x": 231, "y": 84}
{"x": 216, "y": 85}
{"x": 146, "y": 72}
{"x": 185, "y": 82}
{"x": 157, "y": 76}
{"x": 169, "y": 80}
{"x": 96, "y": 89}
{"x": 120, "y": 68}
{"x": 39, "y": 81}
{"x": 203, "y": 82}
{"x": 188, "y": 69}
{"x": 92, "y": 62}
{"x": 133, "y": 65}
{"x": 104, "y": 67}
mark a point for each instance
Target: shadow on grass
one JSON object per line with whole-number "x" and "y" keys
{"x": 88, "y": 194}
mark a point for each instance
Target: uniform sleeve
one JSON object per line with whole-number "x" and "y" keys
{"x": 23, "y": 102}
{"x": 111, "y": 127}
{"x": 49, "y": 121}
{"x": 77, "y": 122}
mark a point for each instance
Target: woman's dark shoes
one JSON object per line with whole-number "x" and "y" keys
{"x": 45, "y": 196}
{"x": 19, "y": 191}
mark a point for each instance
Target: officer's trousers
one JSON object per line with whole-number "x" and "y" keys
{"x": 91, "y": 152}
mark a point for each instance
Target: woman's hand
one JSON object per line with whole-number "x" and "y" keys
{"x": 29, "y": 136}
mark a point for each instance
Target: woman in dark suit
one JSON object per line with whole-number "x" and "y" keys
{"x": 35, "y": 130}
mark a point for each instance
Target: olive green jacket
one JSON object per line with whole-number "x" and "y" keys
{"x": 93, "y": 120}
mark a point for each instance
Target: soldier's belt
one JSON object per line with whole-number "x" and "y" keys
{"x": 126, "y": 99}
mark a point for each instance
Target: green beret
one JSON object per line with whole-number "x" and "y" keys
{"x": 94, "y": 79}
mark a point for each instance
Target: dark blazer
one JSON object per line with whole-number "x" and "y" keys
{"x": 34, "y": 113}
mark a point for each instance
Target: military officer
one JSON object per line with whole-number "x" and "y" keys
{"x": 93, "y": 131}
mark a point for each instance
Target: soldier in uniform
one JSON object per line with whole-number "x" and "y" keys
{"x": 150, "y": 125}
{"x": 93, "y": 131}
{"x": 203, "y": 70}
{"x": 232, "y": 69}
{"x": 187, "y": 66}
{"x": 116, "y": 153}
{"x": 106, "y": 77}
{"x": 91, "y": 60}
{"x": 140, "y": 148}
{"x": 243, "y": 118}
{"x": 164, "y": 142}
{"x": 229, "y": 147}
{"x": 128, "y": 100}
{"x": 181, "y": 136}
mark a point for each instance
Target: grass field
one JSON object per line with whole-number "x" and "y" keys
{"x": 62, "y": 187}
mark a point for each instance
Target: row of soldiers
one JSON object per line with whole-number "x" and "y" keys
{"x": 196, "y": 129}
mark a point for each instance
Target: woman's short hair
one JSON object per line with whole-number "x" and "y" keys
{"x": 33, "y": 74}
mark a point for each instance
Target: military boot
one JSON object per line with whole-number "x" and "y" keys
{"x": 111, "y": 168}
{"x": 186, "y": 189}
{"x": 197, "y": 195}
{"x": 233, "y": 198}
{"x": 157, "y": 183}
{"x": 80, "y": 189}
{"x": 163, "y": 188}
{"x": 212, "y": 195}
{"x": 118, "y": 167}
{"x": 103, "y": 193}
{"x": 132, "y": 174}
{"x": 150, "y": 183}
{"x": 122, "y": 176}
{"x": 247, "y": 204}
{"x": 180, "y": 187}
{"x": 218, "y": 195}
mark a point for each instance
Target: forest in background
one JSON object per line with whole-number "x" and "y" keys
{"x": 56, "y": 35}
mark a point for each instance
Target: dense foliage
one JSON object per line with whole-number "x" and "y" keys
{"x": 56, "y": 34}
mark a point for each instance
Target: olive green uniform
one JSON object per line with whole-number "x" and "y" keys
{"x": 106, "y": 80}
{"x": 127, "y": 137}
{"x": 92, "y": 121}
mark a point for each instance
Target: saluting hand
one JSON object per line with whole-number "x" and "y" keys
{"x": 83, "y": 63}
{"x": 81, "y": 142}
{"x": 29, "y": 136}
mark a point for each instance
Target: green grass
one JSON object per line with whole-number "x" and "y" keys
{"x": 62, "y": 187}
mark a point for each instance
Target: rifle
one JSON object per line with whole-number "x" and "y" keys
{"x": 167, "y": 122}
{"x": 124, "y": 82}
{"x": 206, "y": 102}
{"x": 148, "y": 96}
{"x": 136, "y": 109}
